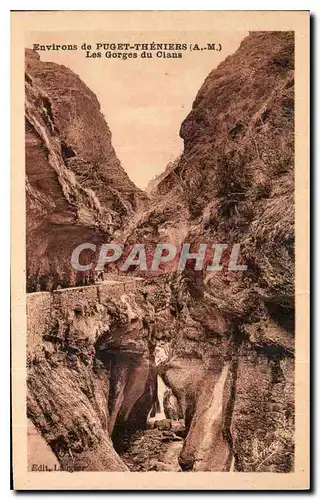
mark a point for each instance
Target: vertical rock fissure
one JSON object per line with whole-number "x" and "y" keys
{"x": 232, "y": 462}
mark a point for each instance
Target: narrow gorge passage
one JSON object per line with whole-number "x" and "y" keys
{"x": 157, "y": 443}
{"x": 170, "y": 443}
{"x": 158, "y": 447}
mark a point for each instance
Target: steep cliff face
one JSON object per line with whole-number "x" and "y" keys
{"x": 76, "y": 189}
{"x": 231, "y": 364}
{"x": 90, "y": 371}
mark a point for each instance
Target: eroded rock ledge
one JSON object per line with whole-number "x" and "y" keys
{"x": 89, "y": 364}
{"x": 92, "y": 378}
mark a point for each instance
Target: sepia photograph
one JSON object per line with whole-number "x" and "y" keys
{"x": 160, "y": 276}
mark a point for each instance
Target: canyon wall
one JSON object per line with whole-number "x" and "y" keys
{"x": 90, "y": 370}
{"x": 228, "y": 335}
{"x": 232, "y": 348}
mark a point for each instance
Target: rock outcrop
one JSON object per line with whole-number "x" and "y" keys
{"x": 90, "y": 370}
{"x": 76, "y": 189}
{"x": 234, "y": 183}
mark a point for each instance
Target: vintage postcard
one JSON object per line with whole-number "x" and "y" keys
{"x": 160, "y": 246}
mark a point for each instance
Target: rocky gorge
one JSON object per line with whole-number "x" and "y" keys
{"x": 220, "y": 344}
